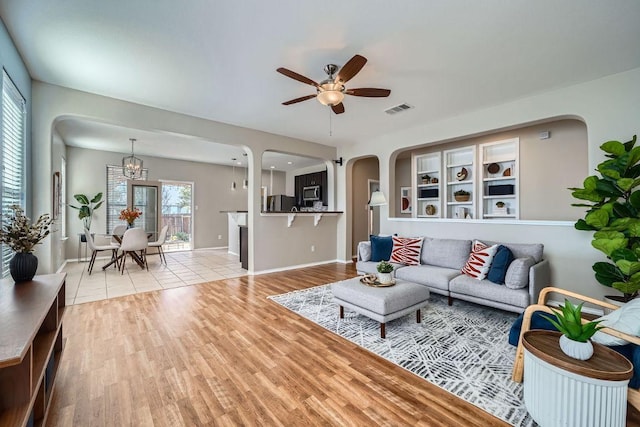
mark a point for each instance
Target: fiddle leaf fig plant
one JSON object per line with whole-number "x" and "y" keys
{"x": 614, "y": 214}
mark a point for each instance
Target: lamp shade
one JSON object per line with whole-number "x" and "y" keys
{"x": 377, "y": 199}
{"x": 330, "y": 94}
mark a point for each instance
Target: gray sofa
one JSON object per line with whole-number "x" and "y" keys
{"x": 441, "y": 261}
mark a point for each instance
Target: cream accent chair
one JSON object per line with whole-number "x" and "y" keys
{"x": 158, "y": 243}
{"x": 118, "y": 230}
{"x": 134, "y": 240}
{"x": 633, "y": 395}
{"x": 95, "y": 249}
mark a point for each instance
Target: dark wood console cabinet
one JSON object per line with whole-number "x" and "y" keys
{"x": 31, "y": 347}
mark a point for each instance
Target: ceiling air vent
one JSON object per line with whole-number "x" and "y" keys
{"x": 398, "y": 109}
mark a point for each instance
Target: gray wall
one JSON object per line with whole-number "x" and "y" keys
{"x": 363, "y": 171}
{"x": 86, "y": 170}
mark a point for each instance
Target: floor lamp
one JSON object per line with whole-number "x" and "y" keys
{"x": 377, "y": 199}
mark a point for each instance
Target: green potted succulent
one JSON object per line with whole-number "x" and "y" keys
{"x": 462, "y": 196}
{"x": 614, "y": 214}
{"x": 384, "y": 272}
{"x": 86, "y": 208}
{"x": 21, "y": 235}
{"x": 575, "y": 340}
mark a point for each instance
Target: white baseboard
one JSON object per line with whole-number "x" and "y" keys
{"x": 233, "y": 253}
{"x": 293, "y": 267}
{"x": 64, "y": 264}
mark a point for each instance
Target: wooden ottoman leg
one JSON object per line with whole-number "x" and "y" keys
{"x": 383, "y": 333}
{"x": 341, "y": 312}
{"x": 418, "y": 316}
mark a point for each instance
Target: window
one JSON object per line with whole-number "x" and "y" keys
{"x": 117, "y": 194}
{"x": 12, "y": 156}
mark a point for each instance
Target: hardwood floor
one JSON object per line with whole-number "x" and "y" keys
{"x": 222, "y": 354}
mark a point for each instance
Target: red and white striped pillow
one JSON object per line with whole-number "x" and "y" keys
{"x": 406, "y": 250}
{"x": 479, "y": 261}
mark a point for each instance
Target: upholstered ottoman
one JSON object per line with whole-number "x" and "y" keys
{"x": 380, "y": 304}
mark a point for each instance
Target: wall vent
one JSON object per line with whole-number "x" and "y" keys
{"x": 398, "y": 109}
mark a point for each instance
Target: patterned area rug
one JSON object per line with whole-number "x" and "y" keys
{"x": 462, "y": 349}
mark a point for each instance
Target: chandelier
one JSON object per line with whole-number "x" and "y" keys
{"x": 132, "y": 165}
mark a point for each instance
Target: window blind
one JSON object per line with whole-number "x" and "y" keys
{"x": 12, "y": 157}
{"x": 117, "y": 194}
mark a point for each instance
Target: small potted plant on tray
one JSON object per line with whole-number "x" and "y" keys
{"x": 384, "y": 272}
{"x": 462, "y": 196}
{"x": 575, "y": 340}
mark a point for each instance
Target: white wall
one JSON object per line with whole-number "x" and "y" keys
{"x": 610, "y": 107}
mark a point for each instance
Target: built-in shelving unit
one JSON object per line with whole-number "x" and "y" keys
{"x": 460, "y": 173}
{"x": 499, "y": 176}
{"x": 31, "y": 336}
{"x": 427, "y": 175}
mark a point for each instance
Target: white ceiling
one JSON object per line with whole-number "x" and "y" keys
{"x": 218, "y": 59}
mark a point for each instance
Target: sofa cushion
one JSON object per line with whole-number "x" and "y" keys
{"x": 406, "y": 250}
{"x": 479, "y": 261}
{"x": 364, "y": 251}
{"x": 490, "y": 291}
{"x": 381, "y": 248}
{"x": 449, "y": 253}
{"x": 434, "y": 277}
{"x": 518, "y": 273}
{"x": 523, "y": 250}
{"x": 499, "y": 265}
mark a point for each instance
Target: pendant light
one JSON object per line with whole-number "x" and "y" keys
{"x": 132, "y": 165}
{"x": 233, "y": 183}
{"x": 245, "y": 181}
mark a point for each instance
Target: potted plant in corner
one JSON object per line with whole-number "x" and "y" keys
{"x": 384, "y": 272}
{"x": 85, "y": 210}
{"x": 575, "y": 340}
{"x": 614, "y": 214}
{"x": 21, "y": 235}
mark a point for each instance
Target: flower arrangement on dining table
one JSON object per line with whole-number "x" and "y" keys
{"x": 20, "y": 234}
{"x": 130, "y": 215}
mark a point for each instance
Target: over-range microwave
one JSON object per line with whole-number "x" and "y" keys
{"x": 311, "y": 193}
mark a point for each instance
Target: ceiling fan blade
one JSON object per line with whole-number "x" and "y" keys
{"x": 351, "y": 68}
{"x": 369, "y": 92}
{"x": 338, "y": 108}
{"x": 296, "y": 76}
{"x": 302, "y": 98}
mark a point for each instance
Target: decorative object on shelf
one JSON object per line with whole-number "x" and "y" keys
{"x": 501, "y": 209}
{"x": 132, "y": 165}
{"x": 384, "y": 272}
{"x": 21, "y": 235}
{"x": 87, "y": 207}
{"x": 130, "y": 215}
{"x": 575, "y": 340}
{"x": 493, "y": 168}
{"x": 507, "y": 172}
{"x": 430, "y": 210}
{"x": 405, "y": 199}
{"x": 434, "y": 180}
{"x": 462, "y": 175}
{"x": 615, "y": 229}
{"x": 426, "y": 179}
{"x": 462, "y": 196}
{"x": 460, "y": 212}
{"x": 500, "y": 204}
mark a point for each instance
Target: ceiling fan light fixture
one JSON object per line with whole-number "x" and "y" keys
{"x": 330, "y": 93}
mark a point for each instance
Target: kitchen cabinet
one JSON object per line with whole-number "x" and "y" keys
{"x": 309, "y": 179}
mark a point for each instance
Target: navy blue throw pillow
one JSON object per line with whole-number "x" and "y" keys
{"x": 499, "y": 265}
{"x": 381, "y": 247}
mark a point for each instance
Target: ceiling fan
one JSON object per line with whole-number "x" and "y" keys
{"x": 331, "y": 91}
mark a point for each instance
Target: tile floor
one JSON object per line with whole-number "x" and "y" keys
{"x": 182, "y": 269}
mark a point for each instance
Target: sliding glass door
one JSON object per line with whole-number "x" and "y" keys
{"x": 177, "y": 208}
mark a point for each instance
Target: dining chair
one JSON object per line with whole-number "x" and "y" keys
{"x": 158, "y": 243}
{"x": 134, "y": 240}
{"x": 118, "y": 230}
{"x": 95, "y": 249}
